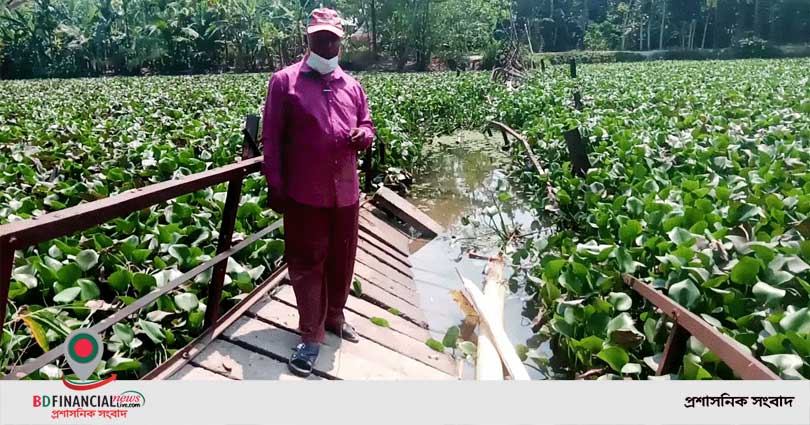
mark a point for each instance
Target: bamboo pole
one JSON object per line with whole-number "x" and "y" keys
{"x": 489, "y": 324}
{"x": 488, "y": 365}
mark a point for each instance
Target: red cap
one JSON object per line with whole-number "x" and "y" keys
{"x": 324, "y": 19}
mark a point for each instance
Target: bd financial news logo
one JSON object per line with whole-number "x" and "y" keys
{"x": 83, "y": 353}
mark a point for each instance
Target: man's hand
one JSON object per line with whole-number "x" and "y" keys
{"x": 277, "y": 200}
{"x": 357, "y": 135}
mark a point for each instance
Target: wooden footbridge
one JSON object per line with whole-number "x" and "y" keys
{"x": 253, "y": 339}
{"x": 256, "y": 342}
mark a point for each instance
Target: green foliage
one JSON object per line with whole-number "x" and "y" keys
{"x": 753, "y": 47}
{"x": 83, "y": 38}
{"x": 379, "y": 321}
{"x": 451, "y": 337}
{"x": 74, "y": 38}
{"x": 435, "y": 345}
{"x": 602, "y": 36}
{"x": 98, "y": 137}
{"x": 585, "y": 56}
{"x": 73, "y": 141}
{"x": 701, "y": 196}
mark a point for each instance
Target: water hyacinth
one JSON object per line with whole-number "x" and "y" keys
{"x": 699, "y": 186}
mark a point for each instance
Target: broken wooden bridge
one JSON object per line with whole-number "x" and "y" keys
{"x": 254, "y": 338}
{"x": 256, "y": 342}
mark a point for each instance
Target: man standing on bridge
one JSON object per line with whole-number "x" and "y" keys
{"x": 316, "y": 120}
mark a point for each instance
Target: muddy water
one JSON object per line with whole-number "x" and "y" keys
{"x": 459, "y": 186}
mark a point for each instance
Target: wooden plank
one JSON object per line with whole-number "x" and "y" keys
{"x": 389, "y": 272}
{"x": 380, "y": 236}
{"x": 369, "y": 242}
{"x": 415, "y": 241}
{"x": 384, "y": 232}
{"x": 404, "y": 344}
{"x": 396, "y": 269}
{"x": 385, "y": 299}
{"x": 488, "y": 365}
{"x": 365, "y": 360}
{"x": 388, "y": 200}
{"x": 398, "y": 365}
{"x": 388, "y": 256}
{"x": 181, "y": 356}
{"x": 367, "y": 310}
{"x": 741, "y": 361}
{"x": 287, "y": 316}
{"x": 400, "y": 286}
{"x": 374, "y": 294}
{"x": 488, "y": 317}
{"x": 236, "y": 362}
{"x": 387, "y": 286}
{"x": 389, "y": 219}
{"x": 674, "y": 350}
{"x": 196, "y": 373}
{"x": 384, "y": 257}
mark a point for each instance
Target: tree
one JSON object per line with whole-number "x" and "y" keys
{"x": 663, "y": 23}
{"x": 711, "y": 5}
{"x": 44, "y": 38}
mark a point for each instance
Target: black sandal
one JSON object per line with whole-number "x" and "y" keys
{"x": 303, "y": 359}
{"x": 347, "y": 332}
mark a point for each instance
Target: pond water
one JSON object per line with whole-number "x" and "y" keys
{"x": 459, "y": 186}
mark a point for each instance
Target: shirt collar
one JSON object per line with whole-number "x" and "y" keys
{"x": 337, "y": 74}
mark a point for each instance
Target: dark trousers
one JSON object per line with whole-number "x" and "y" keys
{"x": 321, "y": 245}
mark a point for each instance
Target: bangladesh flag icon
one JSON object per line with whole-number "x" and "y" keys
{"x": 83, "y": 352}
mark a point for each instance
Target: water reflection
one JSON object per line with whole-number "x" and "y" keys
{"x": 463, "y": 185}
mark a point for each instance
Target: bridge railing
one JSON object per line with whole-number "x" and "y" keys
{"x": 685, "y": 323}
{"x": 20, "y": 235}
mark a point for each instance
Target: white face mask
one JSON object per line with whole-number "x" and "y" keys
{"x": 323, "y": 66}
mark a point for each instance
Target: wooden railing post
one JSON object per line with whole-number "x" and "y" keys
{"x": 578, "y": 152}
{"x": 381, "y": 162}
{"x": 577, "y": 101}
{"x": 368, "y": 168}
{"x": 674, "y": 350}
{"x": 19, "y": 235}
{"x": 741, "y": 361}
{"x": 505, "y": 138}
{"x": 6, "y": 265}
{"x": 249, "y": 148}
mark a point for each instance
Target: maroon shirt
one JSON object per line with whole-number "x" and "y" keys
{"x": 307, "y": 120}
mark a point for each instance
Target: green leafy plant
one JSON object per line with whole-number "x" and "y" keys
{"x": 702, "y": 196}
